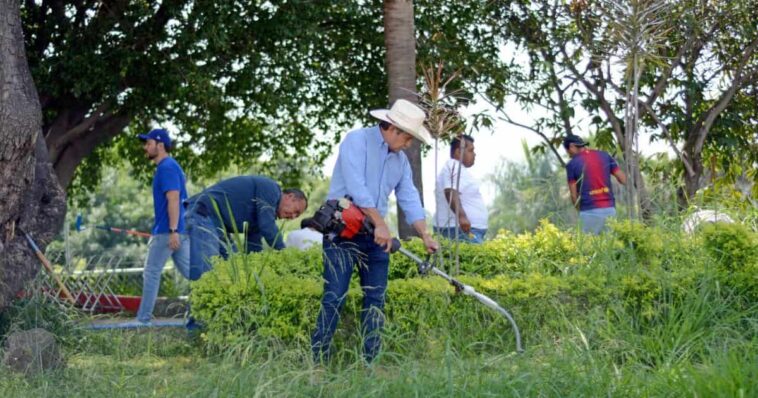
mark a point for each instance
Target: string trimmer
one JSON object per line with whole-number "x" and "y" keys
{"x": 342, "y": 218}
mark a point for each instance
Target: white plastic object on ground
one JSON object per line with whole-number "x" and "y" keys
{"x": 699, "y": 217}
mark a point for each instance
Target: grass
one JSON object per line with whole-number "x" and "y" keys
{"x": 703, "y": 345}
{"x": 702, "y": 342}
{"x": 560, "y": 369}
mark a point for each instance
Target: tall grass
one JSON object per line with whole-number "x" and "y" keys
{"x": 602, "y": 354}
{"x": 698, "y": 342}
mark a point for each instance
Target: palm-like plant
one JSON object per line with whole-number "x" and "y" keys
{"x": 444, "y": 120}
{"x": 636, "y": 32}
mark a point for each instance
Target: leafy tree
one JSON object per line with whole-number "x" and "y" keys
{"x": 242, "y": 82}
{"x": 705, "y": 62}
{"x": 30, "y": 198}
{"x": 263, "y": 78}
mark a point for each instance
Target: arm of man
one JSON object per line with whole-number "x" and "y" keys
{"x": 431, "y": 244}
{"x": 352, "y": 163}
{"x": 454, "y": 201}
{"x": 169, "y": 181}
{"x": 574, "y": 173}
{"x": 173, "y": 218}
{"x": 266, "y": 215}
{"x": 409, "y": 200}
{"x": 620, "y": 176}
{"x": 574, "y": 194}
{"x": 616, "y": 170}
{"x": 382, "y": 235}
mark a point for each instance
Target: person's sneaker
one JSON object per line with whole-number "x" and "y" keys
{"x": 192, "y": 325}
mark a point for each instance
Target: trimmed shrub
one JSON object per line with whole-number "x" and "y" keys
{"x": 735, "y": 249}
{"x": 539, "y": 277}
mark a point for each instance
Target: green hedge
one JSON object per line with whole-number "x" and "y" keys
{"x": 735, "y": 250}
{"x": 539, "y": 276}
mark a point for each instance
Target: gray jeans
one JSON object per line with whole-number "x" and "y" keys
{"x": 593, "y": 220}
{"x": 158, "y": 253}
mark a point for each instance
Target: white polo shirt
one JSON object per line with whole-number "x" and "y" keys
{"x": 470, "y": 196}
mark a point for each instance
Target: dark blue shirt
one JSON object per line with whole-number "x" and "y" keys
{"x": 245, "y": 199}
{"x": 169, "y": 176}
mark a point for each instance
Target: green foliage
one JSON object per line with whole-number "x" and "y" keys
{"x": 279, "y": 81}
{"x": 644, "y": 242}
{"x": 37, "y": 310}
{"x": 604, "y": 326}
{"x": 120, "y": 201}
{"x": 566, "y": 49}
{"x": 735, "y": 249}
{"x": 637, "y": 269}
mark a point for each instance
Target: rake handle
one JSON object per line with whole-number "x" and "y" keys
{"x": 124, "y": 231}
{"x": 49, "y": 268}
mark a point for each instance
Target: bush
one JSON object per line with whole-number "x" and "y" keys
{"x": 540, "y": 277}
{"x": 735, "y": 249}
{"x": 644, "y": 243}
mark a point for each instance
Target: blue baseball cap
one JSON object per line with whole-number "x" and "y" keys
{"x": 159, "y": 135}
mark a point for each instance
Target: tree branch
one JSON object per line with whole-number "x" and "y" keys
{"x": 705, "y": 121}
{"x": 663, "y": 81}
{"x": 670, "y": 140}
{"x": 604, "y": 104}
{"x": 76, "y": 131}
{"x": 508, "y": 119}
{"x": 72, "y": 154}
{"x": 562, "y": 104}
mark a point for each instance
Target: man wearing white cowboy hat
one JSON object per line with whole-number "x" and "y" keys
{"x": 370, "y": 165}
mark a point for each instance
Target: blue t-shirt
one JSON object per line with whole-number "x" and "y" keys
{"x": 591, "y": 171}
{"x": 169, "y": 176}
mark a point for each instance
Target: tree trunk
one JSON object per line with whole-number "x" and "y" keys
{"x": 400, "y": 42}
{"x": 73, "y": 153}
{"x": 692, "y": 182}
{"x": 30, "y": 197}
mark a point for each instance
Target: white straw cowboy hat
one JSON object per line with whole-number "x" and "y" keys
{"x": 407, "y": 117}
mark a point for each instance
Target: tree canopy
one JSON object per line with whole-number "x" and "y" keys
{"x": 272, "y": 83}
{"x": 694, "y": 90}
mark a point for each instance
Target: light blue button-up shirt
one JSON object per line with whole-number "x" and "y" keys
{"x": 368, "y": 172}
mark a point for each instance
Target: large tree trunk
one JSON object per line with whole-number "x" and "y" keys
{"x": 30, "y": 197}
{"x": 400, "y": 41}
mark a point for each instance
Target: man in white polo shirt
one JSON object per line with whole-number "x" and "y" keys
{"x": 461, "y": 212}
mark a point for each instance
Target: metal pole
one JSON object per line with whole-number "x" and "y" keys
{"x": 425, "y": 266}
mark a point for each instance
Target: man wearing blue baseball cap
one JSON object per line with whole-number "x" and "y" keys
{"x": 168, "y": 235}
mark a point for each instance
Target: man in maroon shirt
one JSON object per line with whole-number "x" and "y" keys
{"x": 589, "y": 180}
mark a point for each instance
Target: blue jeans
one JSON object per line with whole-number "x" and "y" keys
{"x": 207, "y": 240}
{"x": 158, "y": 253}
{"x": 340, "y": 257}
{"x": 593, "y": 220}
{"x": 476, "y": 236}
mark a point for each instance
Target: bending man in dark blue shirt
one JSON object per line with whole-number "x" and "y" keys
{"x": 226, "y": 207}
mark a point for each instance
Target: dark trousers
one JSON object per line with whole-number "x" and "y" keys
{"x": 340, "y": 257}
